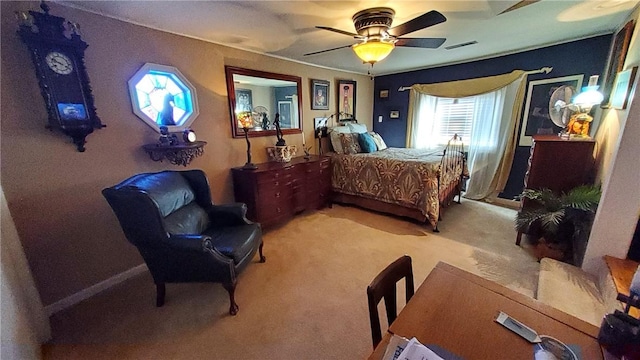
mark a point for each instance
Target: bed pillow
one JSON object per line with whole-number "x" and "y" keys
{"x": 378, "y": 140}
{"x": 334, "y": 136}
{"x": 366, "y": 143}
{"x": 350, "y": 144}
{"x": 357, "y": 128}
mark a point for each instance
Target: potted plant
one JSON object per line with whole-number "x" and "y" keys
{"x": 557, "y": 219}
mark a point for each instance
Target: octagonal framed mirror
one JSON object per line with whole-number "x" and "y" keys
{"x": 265, "y": 94}
{"x": 162, "y": 96}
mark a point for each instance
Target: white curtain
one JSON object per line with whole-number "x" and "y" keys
{"x": 497, "y": 106}
{"x": 492, "y": 124}
{"x": 425, "y": 108}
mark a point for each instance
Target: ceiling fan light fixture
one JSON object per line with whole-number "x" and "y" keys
{"x": 373, "y": 51}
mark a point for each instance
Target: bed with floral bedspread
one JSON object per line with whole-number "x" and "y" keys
{"x": 412, "y": 182}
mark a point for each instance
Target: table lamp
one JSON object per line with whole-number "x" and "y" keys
{"x": 245, "y": 121}
{"x": 578, "y": 126}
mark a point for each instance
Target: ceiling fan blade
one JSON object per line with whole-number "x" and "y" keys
{"x": 518, "y": 5}
{"x": 428, "y": 43}
{"x": 423, "y": 21}
{"x": 339, "y": 31}
{"x": 323, "y": 51}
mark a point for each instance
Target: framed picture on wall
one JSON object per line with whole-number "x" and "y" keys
{"x": 616, "y": 60}
{"x": 284, "y": 109}
{"x": 244, "y": 102}
{"x": 622, "y": 88}
{"x": 346, "y": 100}
{"x": 319, "y": 94}
{"x": 536, "y": 119}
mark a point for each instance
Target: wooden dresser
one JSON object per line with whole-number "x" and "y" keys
{"x": 558, "y": 164}
{"x": 275, "y": 192}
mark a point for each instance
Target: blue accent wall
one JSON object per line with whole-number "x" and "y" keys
{"x": 587, "y": 57}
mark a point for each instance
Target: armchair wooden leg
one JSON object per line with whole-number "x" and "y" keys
{"x": 160, "y": 292}
{"x": 231, "y": 288}
{"x": 262, "y": 258}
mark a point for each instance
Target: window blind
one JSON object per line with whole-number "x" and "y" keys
{"x": 453, "y": 116}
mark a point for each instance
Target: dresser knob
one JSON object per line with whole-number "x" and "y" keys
{"x": 277, "y": 194}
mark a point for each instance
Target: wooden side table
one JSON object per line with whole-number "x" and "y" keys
{"x": 622, "y": 271}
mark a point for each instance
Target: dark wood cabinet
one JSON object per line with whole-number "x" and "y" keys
{"x": 559, "y": 165}
{"x": 275, "y": 192}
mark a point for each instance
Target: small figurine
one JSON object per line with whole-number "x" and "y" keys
{"x": 265, "y": 121}
{"x": 279, "y": 134}
{"x": 164, "y": 139}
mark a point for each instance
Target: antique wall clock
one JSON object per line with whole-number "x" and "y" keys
{"x": 57, "y": 51}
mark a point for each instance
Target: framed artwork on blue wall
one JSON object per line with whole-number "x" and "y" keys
{"x": 536, "y": 119}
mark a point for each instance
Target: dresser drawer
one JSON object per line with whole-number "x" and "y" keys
{"x": 269, "y": 212}
{"x": 279, "y": 176}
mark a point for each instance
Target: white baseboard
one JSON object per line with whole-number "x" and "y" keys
{"x": 511, "y": 204}
{"x": 93, "y": 290}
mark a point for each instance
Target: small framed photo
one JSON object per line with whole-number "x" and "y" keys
{"x": 244, "y": 100}
{"x": 319, "y": 94}
{"x": 394, "y": 114}
{"x": 384, "y": 94}
{"x": 622, "y": 87}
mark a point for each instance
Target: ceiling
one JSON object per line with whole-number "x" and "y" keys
{"x": 287, "y": 28}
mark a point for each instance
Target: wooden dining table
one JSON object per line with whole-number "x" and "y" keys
{"x": 455, "y": 311}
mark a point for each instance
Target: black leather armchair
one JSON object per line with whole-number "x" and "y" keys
{"x": 180, "y": 233}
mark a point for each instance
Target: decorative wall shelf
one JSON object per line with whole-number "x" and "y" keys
{"x": 180, "y": 154}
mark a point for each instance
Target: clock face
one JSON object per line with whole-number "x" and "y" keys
{"x": 59, "y": 63}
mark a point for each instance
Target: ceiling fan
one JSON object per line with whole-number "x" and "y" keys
{"x": 377, "y": 38}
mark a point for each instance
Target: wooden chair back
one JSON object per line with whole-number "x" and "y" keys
{"x": 384, "y": 287}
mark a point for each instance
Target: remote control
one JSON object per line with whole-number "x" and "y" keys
{"x": 517, "y": 327}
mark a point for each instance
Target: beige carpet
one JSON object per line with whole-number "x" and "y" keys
{"x": 307, "y": 301}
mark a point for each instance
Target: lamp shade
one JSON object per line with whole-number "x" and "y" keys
{"x": 588, "y": 97}
{"x": 245, "y": 120}
{"x": 373, "y": 51}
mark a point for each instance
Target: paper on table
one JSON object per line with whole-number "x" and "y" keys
{"x": 395, "y": 347}
{"x": 416, "y": 351}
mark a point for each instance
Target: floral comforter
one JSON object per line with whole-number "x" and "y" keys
{"x": 406, "y": 177}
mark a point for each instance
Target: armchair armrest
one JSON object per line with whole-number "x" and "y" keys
{"x": 228, "y": 214}
{"x": 197, "y": 244}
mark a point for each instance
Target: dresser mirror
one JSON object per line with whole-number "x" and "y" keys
{"x": 264, "y": 95}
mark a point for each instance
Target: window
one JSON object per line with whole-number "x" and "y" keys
{"x": 440, "y": 118}
{"x": 162, "y": 96}
{"x": 453, "y": 116}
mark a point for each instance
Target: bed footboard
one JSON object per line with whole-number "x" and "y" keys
{"x": 453, "y": 172}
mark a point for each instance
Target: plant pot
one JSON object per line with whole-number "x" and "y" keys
{"x": 556, "y": 251}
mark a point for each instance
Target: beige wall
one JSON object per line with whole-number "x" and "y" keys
{"x": 71, "y": 238}
{"x": 24, "y": 323}
{"x": 618, "y": 172}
